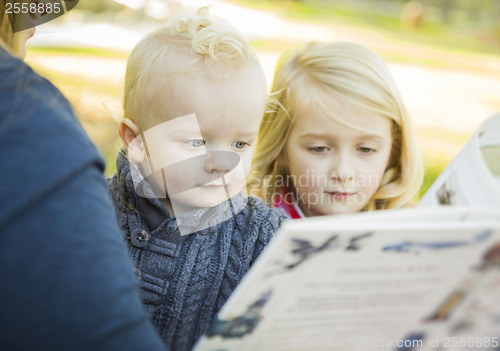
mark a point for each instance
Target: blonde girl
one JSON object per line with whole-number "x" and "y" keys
{"x": 336, "y": 138}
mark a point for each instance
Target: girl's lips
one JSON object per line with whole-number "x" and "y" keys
{"x": 340, "y": 195}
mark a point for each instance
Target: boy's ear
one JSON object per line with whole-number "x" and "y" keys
{"x": 131, "y": 137}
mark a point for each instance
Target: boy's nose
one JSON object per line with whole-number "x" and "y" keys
{"x": 221, "y": 162}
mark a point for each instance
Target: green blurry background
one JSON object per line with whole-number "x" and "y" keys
{"x": 444, "y": 55}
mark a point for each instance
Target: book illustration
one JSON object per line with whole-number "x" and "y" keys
{"x": 450, "y": 193}
{"x": 446, "y": 193}
{"x": 412, "y": 246}
{"x": 490, "y": 260}
{"x": 304, "y": 249}
{"x": 241, "y": 325}
{"x": 354, "y": 242}
{"x": 483, "y": 309}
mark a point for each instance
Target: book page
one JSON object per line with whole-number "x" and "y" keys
{"x": 474, "y": 323}
{"x": 345, "y": 288}
{"x": 473, "y": 177}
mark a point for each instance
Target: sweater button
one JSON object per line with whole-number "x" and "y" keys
{"x": 172, "y": 225}
{"x": 130, "y": 201}
{"x": 139, "y": 238}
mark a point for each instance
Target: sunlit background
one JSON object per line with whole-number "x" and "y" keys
{"x": 444, "y": 55}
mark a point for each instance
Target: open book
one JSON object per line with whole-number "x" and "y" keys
{"x": 426, "y": 278}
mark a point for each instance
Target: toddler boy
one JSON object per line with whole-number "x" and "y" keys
{"x": 195, "y": 95}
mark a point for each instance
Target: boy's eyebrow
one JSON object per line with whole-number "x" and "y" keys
{"x": 188, "y": 128}
{"x": 184, "y": 131}
{"x": 235, "y": 134}
{"x": 248, "y": 135}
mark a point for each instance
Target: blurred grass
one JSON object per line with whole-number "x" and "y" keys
{"x": 77, "y": 51}
{"x": 281, "y": 45}
{"x": 86, "y": 93}
{"x": 432, "y": 171}
{"x": 368, "y": 15}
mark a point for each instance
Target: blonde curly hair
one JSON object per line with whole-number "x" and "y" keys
{"x": 356, "y": 76}
{"x": 196, "y": 44}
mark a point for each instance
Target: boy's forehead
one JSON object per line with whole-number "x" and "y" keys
{"x": 192, "y": 126}
{"x": 174, "y": 127}
{"x": 176, "y": 96}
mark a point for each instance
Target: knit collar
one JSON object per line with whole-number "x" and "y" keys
{"x": 200, "y": 219}
{"x": 130, "y": 181}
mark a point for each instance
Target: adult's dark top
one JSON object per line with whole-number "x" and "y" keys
{"x": 67, "y": 281}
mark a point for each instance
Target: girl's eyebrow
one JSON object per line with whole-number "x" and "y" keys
{"x": 364, "y": 136}
{"x": 314, "y": 135}
{"x": 371, "y": 136}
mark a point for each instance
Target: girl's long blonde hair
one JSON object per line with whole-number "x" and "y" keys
{"x": 353, "y": 75}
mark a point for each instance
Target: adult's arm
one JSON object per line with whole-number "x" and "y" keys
{"x": 67, "y": 281}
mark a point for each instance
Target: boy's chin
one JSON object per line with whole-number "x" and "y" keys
{"x": 192, "y": 202}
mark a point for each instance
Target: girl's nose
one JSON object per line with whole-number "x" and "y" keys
{"x": 342, "y": 170}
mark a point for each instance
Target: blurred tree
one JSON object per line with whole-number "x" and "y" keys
{"x": 495, "y": 11}
{"x": 446, "y": 7}
{"x": 98, "y": 6}
{"x": 413, "y": 14}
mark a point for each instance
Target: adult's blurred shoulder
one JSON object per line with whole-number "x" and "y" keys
{"x": 41, "y": 142}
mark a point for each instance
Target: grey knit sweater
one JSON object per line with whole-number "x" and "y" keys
{"x": 186, "y": 279}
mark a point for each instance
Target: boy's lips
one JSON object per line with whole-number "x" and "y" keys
{"x": 217, "y": 183}
{"x": 213, "y": 185}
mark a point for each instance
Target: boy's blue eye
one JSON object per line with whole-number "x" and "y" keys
{"x": 196, "y": 142}
{"x": 239, "y": 144}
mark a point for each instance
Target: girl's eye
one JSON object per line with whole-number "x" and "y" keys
{"x": 195, "y": 142}
{"x": 318, "y": 149}
{"x": 366, "y": 150}
{"x": 240, "y": 145}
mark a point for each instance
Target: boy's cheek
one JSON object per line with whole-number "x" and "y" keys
{"x": 246, "y": 162}
{"x": 172, "y": 153}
